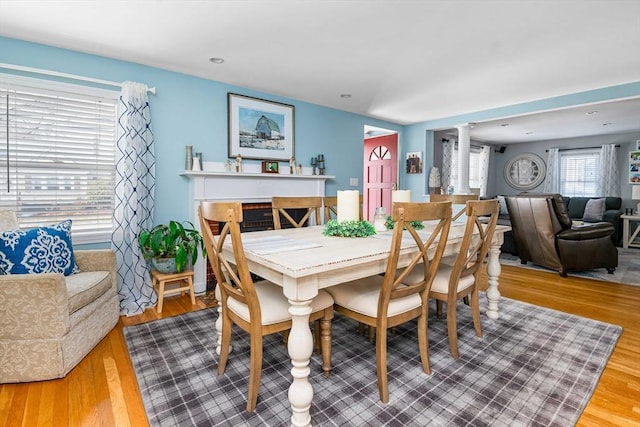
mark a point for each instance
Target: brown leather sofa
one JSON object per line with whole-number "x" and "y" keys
{"x": 544, "y": 235}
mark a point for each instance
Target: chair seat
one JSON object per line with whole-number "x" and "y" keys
{"x": 276, "y": 304}
{"x": 362, "y": 296}
{"x": 441, "y": 281}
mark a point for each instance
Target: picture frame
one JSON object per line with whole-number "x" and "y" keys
{"x": 260, "y": 129}
{"x": 638, "y": 145}
{"x": 634, "y": 167}
{"x": 414, "y": 162}
{"x": 270, "y": 167}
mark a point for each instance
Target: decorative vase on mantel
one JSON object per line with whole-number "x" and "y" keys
{"x": 188, "y": 165}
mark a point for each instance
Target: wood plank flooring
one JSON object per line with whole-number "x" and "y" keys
{"x": 102, "y": 389}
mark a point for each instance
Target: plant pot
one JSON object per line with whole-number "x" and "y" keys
{"x": 164, "y": 265}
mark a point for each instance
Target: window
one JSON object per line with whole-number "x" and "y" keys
{"x": 57, "y": 158}
{"x": 474, "y": 168}
{"x": 579, "y": 172}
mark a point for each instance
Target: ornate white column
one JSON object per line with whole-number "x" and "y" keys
{"x": 464, "y": 148}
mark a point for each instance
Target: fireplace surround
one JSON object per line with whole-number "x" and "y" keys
{"x": 254, "y": 190}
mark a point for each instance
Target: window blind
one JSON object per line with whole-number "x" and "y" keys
{"x": 57, "y": 158}
{"x": 474, "y": 168}
{"x": 579, "y": 173}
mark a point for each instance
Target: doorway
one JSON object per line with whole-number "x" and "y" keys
{"x": 380, "y": 171}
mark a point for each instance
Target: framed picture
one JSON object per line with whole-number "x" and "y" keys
{"x": 414, "y": 162}
{"x": 638, "y": 145}
{"x": 260, "y": 129}
{"x": 634, "y": 167}
{"x": 269, "y": 167}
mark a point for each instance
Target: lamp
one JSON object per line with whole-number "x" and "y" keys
{"x": 635, "y": 195}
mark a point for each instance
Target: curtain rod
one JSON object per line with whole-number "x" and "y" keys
{"x": 66, "y": 76}
{"x": 580, "y": 148}
{"x": 456, "y": 142}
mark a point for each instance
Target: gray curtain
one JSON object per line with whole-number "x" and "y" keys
{"x": 134, "y": 201}
{"x": 552, "y": 180}
{"x": 447, "y": 164}
{"x": 608, "y": 182}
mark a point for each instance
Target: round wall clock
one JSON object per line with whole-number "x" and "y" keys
{"x": 525, "y": 171}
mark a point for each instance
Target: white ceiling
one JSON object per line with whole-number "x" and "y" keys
{"x": 405, "y": 61}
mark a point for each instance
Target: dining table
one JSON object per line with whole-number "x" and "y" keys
{"x": 304, "y": 260}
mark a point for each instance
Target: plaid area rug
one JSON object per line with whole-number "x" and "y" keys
{"x": 533, "y": 367}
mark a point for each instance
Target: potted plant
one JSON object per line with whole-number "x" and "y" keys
{"x": 170, "y": 246}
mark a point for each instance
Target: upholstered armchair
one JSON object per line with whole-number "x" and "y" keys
{"x": 49, "y": 322}
{"x": 545, "y": 235}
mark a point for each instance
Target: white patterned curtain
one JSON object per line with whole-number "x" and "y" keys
{"x": 134, "y": 201}
{"x": 552, "y": 180}
{"x": 485, "y": 153}
{"x": 447, "y": 163}
{"x": 608, "y": 182}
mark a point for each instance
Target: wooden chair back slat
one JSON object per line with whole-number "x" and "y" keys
{"x": 280, "y": 205}
{"x": 235, "y": 282}
{"x": 431, "y": 247}
{"x": 456, "y": 199}
{"x": 482, "y": 216}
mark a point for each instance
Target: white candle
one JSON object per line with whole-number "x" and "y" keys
{"x": 348, "y": 205}
{"x": 400, "y": 196}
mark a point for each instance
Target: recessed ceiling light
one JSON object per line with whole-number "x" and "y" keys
{"x": 606, "y": 124}
{"x": 216, "y": 60}
{"x": 591, "y": 112}
{"x": 528, "y": 133}
{"x": 345, "y": 95}
{"x": 504, "y": 125}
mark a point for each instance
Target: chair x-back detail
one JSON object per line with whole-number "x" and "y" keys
{"x": 280, "y": 206}
{"x": 461, "y": 279}
{"x": 385, "y": 301}
{"x": 258, "y": 308}
{"x": 455, "y": 199}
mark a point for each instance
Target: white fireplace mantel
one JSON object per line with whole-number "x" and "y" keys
{"x": 246, "y": 188}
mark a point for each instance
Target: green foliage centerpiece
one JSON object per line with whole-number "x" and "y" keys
{"x": 349, "y": 229}
{"x": 417, "y": 225}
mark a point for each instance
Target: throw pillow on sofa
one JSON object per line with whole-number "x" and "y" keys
{"x": 38, "y": 250}
{"x": 594, "y": 210}
{"x": 503, "y": 205}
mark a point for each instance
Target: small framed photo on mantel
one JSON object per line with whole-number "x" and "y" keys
{"x": 269, "y": 167}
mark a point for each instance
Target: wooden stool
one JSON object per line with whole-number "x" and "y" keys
{"x": 185, "y": 279}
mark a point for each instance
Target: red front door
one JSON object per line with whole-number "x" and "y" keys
{"x": 380, "y": 173}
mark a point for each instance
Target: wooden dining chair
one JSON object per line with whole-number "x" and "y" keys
{"x": 460, "y": 280}
{"x": 244, "y": 301}
{"x": 331, "y": 207}
{"x": 455, "y": 199}
{"x": 281, "y": 206}
{"x": 385, "y": 302}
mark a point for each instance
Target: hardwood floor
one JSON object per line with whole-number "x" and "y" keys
{"x": 102, "y": 389}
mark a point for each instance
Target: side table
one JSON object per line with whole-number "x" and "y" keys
{"x": 180, "y": 282}
{"x": 627, "y": 241}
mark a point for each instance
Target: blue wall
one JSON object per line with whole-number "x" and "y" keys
{"x": 192, "y": 110}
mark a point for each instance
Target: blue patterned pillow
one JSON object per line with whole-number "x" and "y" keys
{"x": 38, "y": 250}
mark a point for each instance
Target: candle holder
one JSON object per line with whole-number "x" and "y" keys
{"x": 314, "y": 163}
{"x": 321, "y": 166}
